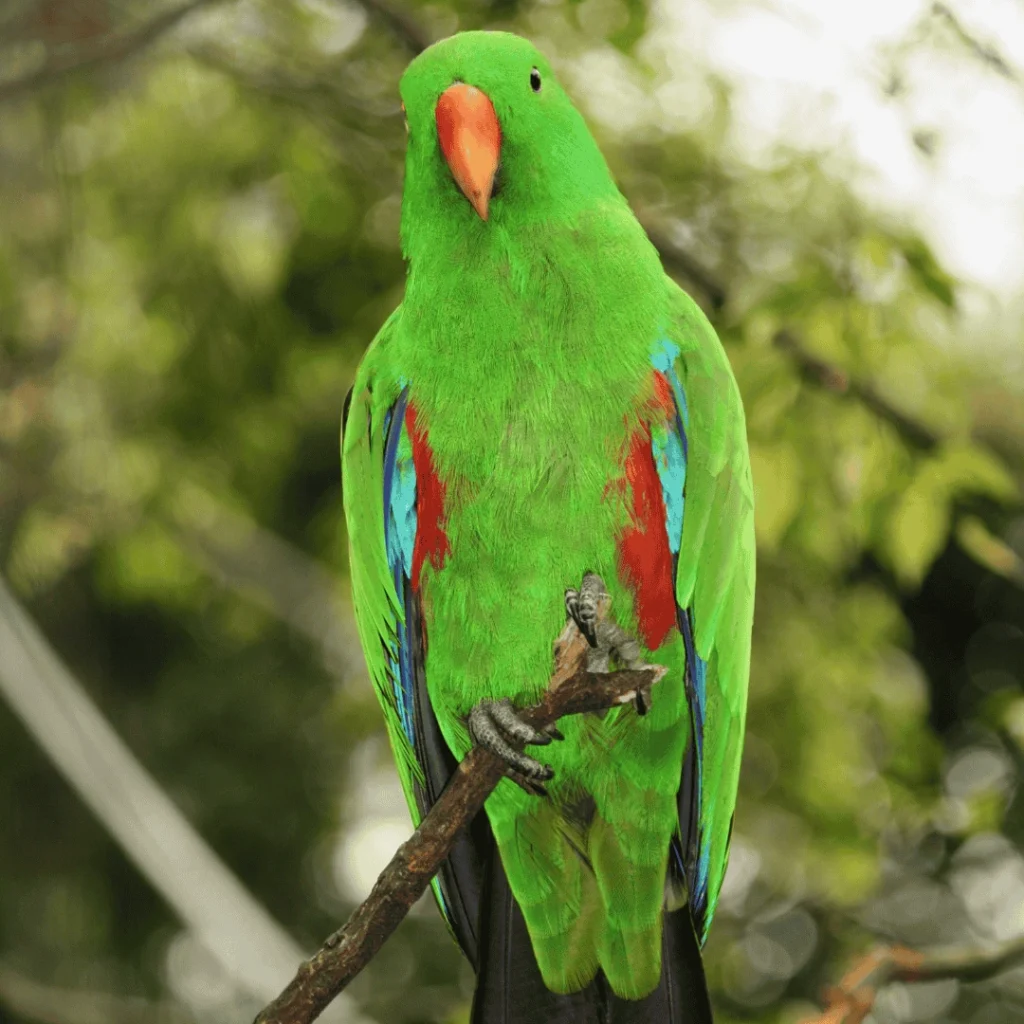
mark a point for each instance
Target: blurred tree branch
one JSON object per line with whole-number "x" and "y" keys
{"x": 32, "y": 1000}
{"x": 402, "y": 24}
{"x": 108, "y": 49}
{"x": 811, "y": 368}
{"x": 255, "y": 562}
{"x": 831, "y": 378}
{"x": 572, "y": 690}
{"x": 985, "y": 52}
{"x": 415, "y": 37}
{"x": 678, "y": 260}
{"x": 253, "y": 949}
{"x": 853, "y": 998}
{"x": 324, "y": 96}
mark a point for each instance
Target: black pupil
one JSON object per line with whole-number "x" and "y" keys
{"x": 535, "y": 80}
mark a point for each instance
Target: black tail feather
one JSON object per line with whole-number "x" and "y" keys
{"x": 510, "y": 989}
{"x": 682, "y": 994}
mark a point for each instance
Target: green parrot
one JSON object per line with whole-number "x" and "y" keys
{"x": 547, "y": 406}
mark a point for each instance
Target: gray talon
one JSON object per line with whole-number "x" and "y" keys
{"x": 642, "y": 701}
{"x": 526, "y": 784}
{"x": 581, "y": 606}
{"x": 505, "y": 715}
{"x": 488, "y": 723}
{"x": 607, "y": 639}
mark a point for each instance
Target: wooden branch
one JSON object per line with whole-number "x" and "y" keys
{"x": 853, "y": 998}
{"x": 571, "y": 691}
{"x": 106, "y": 50}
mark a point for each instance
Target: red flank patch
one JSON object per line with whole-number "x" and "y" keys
{"x": 645, "y": 560}
{"x": 431, "y": 539}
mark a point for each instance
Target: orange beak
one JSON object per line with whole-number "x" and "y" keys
{"x": 470, "y": 137}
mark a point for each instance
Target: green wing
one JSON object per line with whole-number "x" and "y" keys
{"x": 379, "y": 482}
{"x": 714, "y": 580}
{"x": 378, "y": 609}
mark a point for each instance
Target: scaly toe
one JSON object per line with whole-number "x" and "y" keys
{"x": 506, "y": 717}
{"x": 583, "y": 614}
{"x": 486, "y": 723}
{"x": 526, "y": 784}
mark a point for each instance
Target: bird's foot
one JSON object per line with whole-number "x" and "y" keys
{"x": 608, "y": 640}
{"x": 642, "y": 700}
{"x": 495, "y": 725}
{"x": 583, "y": 605}
{"x": 529, "y": 786}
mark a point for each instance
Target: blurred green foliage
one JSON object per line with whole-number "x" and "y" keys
{"x": 196, "y": 244}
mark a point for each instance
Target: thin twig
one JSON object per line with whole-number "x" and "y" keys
{"x": 811, "y": 367}
{"x": 107, "y": 50}
{"x": 572, "y": 690}
{"x": 853, "y": 998}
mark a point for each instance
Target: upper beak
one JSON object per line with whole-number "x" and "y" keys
{"x": 470, "y": 137}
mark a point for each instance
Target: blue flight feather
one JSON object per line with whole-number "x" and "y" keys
{"x": 671, "y": 451}
{"x": 399, "y": 541}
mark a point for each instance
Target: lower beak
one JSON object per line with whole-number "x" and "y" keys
{"x": 470, "y": 138}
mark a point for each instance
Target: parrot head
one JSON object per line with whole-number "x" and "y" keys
{"x": 493, "y": 139}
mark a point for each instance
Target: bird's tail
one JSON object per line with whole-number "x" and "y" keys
{"x": 510, "y": 989}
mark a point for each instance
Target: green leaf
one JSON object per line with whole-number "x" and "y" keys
{"x": 923, "y": 266}
{"x": 917, "y": 528}
{"x": 966, "y": 468}
{"x": 777, "y": 489}
{"x": 988, "y": 550}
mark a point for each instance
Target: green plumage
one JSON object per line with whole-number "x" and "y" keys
{"x": 526, "y": 344}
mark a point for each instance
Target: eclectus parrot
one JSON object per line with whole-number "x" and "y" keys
{"x": 547, "y": 406}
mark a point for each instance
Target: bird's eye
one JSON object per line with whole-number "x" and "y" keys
{"x": 535, "y": 80}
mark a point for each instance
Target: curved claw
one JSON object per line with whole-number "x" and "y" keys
{"x": 576, "y": 608}
{"x": 505, "y": 715}
{"x": 527, "y": 785}
{"x": 490, "y": 720}
{"x": 642, "y": 701}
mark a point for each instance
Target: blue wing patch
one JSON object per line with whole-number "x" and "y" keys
{"x": 399, "y": 540}
{"x": 671, "y": 451}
